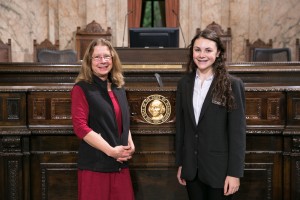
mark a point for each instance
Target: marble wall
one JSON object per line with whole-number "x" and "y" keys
{"x": 23, "y": 21}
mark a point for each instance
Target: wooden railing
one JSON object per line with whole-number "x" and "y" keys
{"x": 38, "y": 149}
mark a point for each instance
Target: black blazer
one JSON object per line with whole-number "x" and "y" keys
{"x": 215, "y": 147}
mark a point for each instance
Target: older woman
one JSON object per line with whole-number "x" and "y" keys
{"x": 100, "y": 116}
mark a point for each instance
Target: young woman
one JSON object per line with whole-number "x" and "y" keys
{"x": 210, "y": 123}
{"x": 100, "y": 116}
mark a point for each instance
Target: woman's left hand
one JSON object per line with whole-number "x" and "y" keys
{"x": 130, "y": 150}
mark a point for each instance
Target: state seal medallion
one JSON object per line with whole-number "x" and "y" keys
{"x": 156, "y": 109}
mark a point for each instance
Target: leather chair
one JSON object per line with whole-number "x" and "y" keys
{"x": 46, "y": 44}
{"x": 84, "y": 36}
{"x": 271, "y": 55}
{"x": 56, "y": 56}
{"x": 249, "y": 50}
{"x": 5, "y": 51}
{"x": 225, "y": 37}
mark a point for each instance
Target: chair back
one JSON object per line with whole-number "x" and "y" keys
{"x": 249, "y": 50}
{"x": 271, "y": 54}
{"x": 46, "y": 44}
{"x": 5, "y": 51}
{"x": 56, "y": 56}
{"x": 85, "y": 36}
{"x": 225, "y": 37}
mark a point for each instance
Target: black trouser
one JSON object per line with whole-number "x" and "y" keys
{"x": 200, "y": 191}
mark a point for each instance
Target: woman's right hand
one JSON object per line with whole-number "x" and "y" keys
{"x": 122, "y": 153}
{"x": 180, "y": 180}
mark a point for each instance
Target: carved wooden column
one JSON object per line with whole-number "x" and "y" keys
{"x": 14, "y": 146}
{"x": 291, "y": 151}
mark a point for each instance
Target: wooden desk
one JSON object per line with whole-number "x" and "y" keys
{"x": 38, "y": 149}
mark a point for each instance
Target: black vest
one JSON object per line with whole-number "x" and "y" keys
{"x": 102, "y": 120}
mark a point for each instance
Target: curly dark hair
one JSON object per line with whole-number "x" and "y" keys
{"x": 222, "y": 91}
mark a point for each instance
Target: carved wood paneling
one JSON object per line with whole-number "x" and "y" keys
{"x": 13, "y": 182}
{"x": 41, "y": 148}
{"x": 49, "y": 108}
{"x": 253, "y": 108}
{"x": 53, "y": 173}
{"x": 11, "y": 144}
{"x": 295, "y": 180}
{"x": 295, "y": 144}
{"x": 296, "y": 105}
{"x": 265, "y": 108}
{"x": 2, "y": 108}
{"x": 53, "y": 158}
{"x": 260, "y": 176}
{"x": 39, "y": 108}
{"x": 157, "y": 183}
{"x": 13, "y": 110}
{"x": 273, "y": 110}
{"x": 11, "y": 171}
{"x": 293, "y": 113}
{"x": 61, "y": 108}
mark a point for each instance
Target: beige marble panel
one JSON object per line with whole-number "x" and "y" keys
{"x": 52, "y": 20}
{"x": 188, "y": 9}
{"x": 22, "y": 21}
{"x": 253, "y": 21}
{"x": 211, "y": 11}
{"x": 239, "y": 23}
{"x": 121, "y": 33}
{"x": 97, "y": 10}
{"x": 225, "y": 14}
{"x": 69, "y": 19}
{"x": 285, "y": 24}
{"x": 119, "y": 17}
{"x": 116, "y": 12}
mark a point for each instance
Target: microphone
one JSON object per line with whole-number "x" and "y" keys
{"x": 159, "y": 80}
{"x": 129, "y": 12}
{"x": 173, "y": 11}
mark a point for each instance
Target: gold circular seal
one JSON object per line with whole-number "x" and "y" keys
{"x": 156, "y": 109}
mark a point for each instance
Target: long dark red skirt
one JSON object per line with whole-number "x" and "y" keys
{"x": 105, "y": 186}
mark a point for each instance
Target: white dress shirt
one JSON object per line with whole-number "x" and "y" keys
{"x": 200, "y": 92}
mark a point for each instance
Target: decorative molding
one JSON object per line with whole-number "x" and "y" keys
{"x": 154, "y": 131}
{"x": 2, "y": 108}
{"x": 296, "y": 109}
{"x": 13, "y": 183}
{"x": 14, "y": 131}
{"x": 13, "y": 108}
{"x": 11, "y": 144}
{"x": 273, "y": 109}
{"x": 39, "y": 108}
{"x": 264, "y": 131}
{"x": 61, "y": 108}
{"x": 292, "y": 130}
{"x": 56, "y": 130}
{"x": 46, "y": 167}
{"x": 254, "y": 105}
{"x": 297, "y": 177}
{"x": 267, "y": 168}
{"x": 296, "y": 145}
